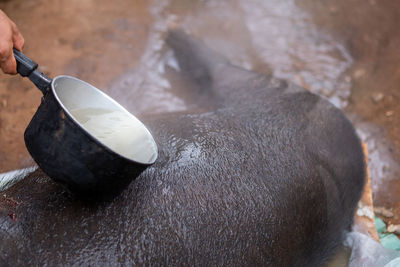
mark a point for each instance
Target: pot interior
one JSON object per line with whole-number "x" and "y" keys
{"x": 105, "y": 120}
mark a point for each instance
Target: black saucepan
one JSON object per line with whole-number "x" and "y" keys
{"x": 81, "y": 137}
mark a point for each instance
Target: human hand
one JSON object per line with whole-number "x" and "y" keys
{"x": 9, "y": 37}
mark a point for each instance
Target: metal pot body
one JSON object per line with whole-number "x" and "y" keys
{"x": 68, "y": 153}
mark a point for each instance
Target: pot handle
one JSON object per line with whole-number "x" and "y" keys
{"x": 26, "y": 67}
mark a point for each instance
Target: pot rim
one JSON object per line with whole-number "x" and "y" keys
{"x": 92, "y": 137}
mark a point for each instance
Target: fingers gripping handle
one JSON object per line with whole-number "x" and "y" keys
{"x": 26, "y": 67}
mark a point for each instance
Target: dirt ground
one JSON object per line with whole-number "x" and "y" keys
{"x": 346, "y": 50}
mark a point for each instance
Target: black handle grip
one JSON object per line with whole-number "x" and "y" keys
{"x": 26, "y": 67}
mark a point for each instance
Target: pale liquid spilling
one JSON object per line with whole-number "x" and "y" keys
{"x": 119, "y": 131}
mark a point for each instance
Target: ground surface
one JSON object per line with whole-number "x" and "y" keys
{"x": 346, "y": 50}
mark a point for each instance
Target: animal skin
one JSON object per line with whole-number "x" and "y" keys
{"x": 266, "y": 173}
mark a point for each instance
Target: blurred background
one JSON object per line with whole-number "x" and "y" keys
{"x": 345, "y": 50}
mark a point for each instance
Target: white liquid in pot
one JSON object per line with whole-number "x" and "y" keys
{"x": 120, "y": 132}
